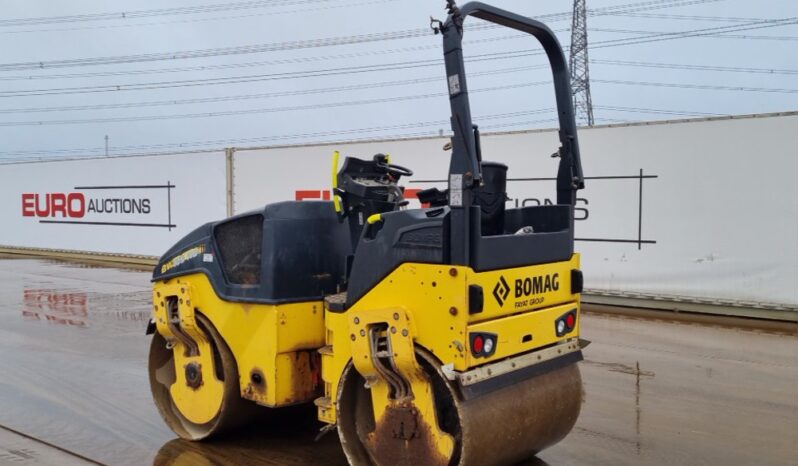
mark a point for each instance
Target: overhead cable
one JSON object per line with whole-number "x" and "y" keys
{"x": 682, "y": 66}
{"x": 261, "y": 48}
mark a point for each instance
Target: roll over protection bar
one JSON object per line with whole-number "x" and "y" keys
{"x": 464, "y": 168}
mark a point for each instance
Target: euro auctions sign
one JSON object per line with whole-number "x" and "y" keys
{"x": 121, "y": 205}
{"x": 138, "y": 205}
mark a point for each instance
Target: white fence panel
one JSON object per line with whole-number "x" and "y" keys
{"x": 128, "y": 205}
{"x": 703, "y": 209}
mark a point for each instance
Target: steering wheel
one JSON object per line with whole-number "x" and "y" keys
{"x": 397, "y": 170}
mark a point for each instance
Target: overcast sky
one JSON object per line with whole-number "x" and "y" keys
{"x": 193, "y": 101}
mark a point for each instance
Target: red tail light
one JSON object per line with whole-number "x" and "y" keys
{"x": 566, "y": 323}
{"x": 479, "y": 344}
{"x": 570, "y": 321}
{"x": 483, "y": 344}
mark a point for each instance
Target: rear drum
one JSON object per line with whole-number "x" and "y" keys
{"x": 502, "y": 427}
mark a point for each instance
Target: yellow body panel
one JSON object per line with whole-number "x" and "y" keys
{"x": 420, "y": 396}
{"x": 333, "y": 365}
{"x": 435, "y": 298}
{"x": 434, "y": 301}
{"x": 527, "y": 288}
{"x": 512, "y": 332}
{"x": 336, "y": 198}
{"x": 276, "y": 341}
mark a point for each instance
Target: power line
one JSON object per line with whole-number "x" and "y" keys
{"x": 285, "y": 138}
{"x": 374, "y": 101}
{"x": 292, "y": 45}
{"x": 677, "y": 66}
{"x": 258, "y": 77}
{"x": 328, "y": 90}
{"x": 283, "y": 61}
{"x": 645, "y": 6}
{"x": 616, "y": 120}
{"x": 663, "y": 36}
{"x": 403, "y": 65}
{"x": 646, "y": 83}
{"x": 726, "y": 19}
{"x": 295, "y": 60}
{"x": 750, "y": 37}
{"x": 210, "y": 114}
{"x": 315, "y": 106}
{"x": 219, "y": 142}
{"x": 328, "y": 57}
{"x": 125, "y": 15}
{"x": 235, "y": 141}
{"x": 302, "y": 60}
{"x": 9, "y": 157}
{"x": 221, "y": 51}
{"x": 717, "y": 35}
{"x": 327, "y": 72}
{"x": 639, "y": 6}
{"x": 657, "y": 37}
{"x": 214, "y": 81}
{"x": 657, "y": 111}
{"x": 708, "y": 87}
{"x": 316, "y": 8}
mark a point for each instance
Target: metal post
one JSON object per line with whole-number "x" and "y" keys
{"x": 228, "y": 155}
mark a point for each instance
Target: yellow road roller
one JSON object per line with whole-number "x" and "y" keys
{"x": 440, "y": 335}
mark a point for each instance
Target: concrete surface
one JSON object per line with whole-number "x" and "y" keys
{"x": 19, "y": 449}
{"x": 73, "y": 362}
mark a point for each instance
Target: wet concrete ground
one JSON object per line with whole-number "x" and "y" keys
{"x": 16, "y": 448}
{"x": 73, "y": 375}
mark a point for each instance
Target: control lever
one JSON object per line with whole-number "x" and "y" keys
{"x": 434, "y": 197}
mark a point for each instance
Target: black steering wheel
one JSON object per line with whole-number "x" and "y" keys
{"x": 397, "y": 170}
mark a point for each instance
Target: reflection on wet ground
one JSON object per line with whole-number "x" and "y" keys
{"x": 289, "y": 437}
{"x": 56, "y": 307}
{"x": 73, "y": 355}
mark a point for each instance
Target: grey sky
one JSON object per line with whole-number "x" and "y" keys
{"x": 302, "y": 20}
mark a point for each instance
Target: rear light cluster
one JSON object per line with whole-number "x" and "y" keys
{"x": 565, "y": 324}
{"x": 483, "y": 344}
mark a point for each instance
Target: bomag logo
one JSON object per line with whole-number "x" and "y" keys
{"x": 501, "y": 291}
{"x": 537, "y": 285}
{"x": 525, "y": 287}
{"x": 183, "y": 257}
